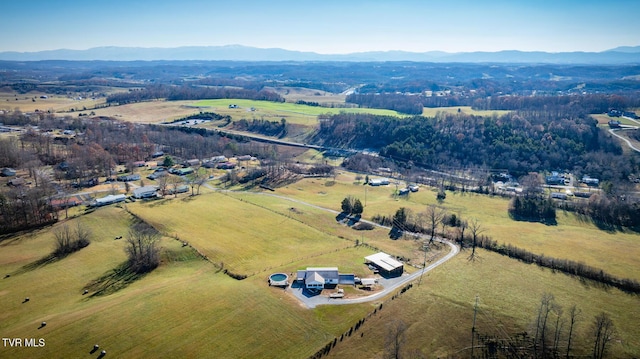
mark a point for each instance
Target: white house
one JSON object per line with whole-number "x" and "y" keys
{"x": 379, "y": 182}
{"x": 318, "y": 277}
{"x": 145, "y": 192}
{"x": 112, "y": 198}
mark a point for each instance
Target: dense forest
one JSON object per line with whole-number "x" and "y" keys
{"x": 519, "y": 142}
{"x": 175, "y": 93}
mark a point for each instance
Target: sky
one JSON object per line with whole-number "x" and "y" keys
{"x": 322, "y": 26}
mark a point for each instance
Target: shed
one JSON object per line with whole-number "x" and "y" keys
{"x": 368, "y": 282}
{"x": 386, "y": 264}
{"x": 16, "y": 182}
{"x": 194, "y": 162}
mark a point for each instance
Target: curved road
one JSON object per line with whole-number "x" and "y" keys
{"x": 312, "y": 302}
{"x": 631, "y": 146}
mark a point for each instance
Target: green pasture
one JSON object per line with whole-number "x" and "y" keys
{"x": 275, "y": 111}
{"x": 617, "y": 252}
{"x": 325, "y": 221}
{"x": 185, "y": 308}
{"x": 188, "y": 308}
{"x": 307, "y": 115}
{"x": 439, "y": 312}
{"x": 245, "y": 238}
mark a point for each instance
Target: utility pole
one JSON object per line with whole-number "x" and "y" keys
{"x": 365, "y": 194}
{"x": 473, "y": 327}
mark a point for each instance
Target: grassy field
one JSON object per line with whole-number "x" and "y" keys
{"x": 185, "y": 308}
{"x": 267, "y": 238}
{"x": 616, "y": 252}
{"x": 274, "y": 111}
{"x": 603, "y": 119}
{"x": 439, "y": 313}
{"x": 150, "y": 112}
{"x": 189, "y": 308}
{"x": 32, "y": 101}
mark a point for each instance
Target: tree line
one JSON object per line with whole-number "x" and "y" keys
{"x": 176, "y": 93}
{"x": 519, "y": 142}
{"x": 409, "y": 104}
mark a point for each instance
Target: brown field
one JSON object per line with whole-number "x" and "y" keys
{"x": 150, "y": 112}
{"x": 294, "y": 94}
{"x": 31, "y": 102}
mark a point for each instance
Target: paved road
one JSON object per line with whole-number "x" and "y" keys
{"x": 631, "y": 146}
{"x": 390, "y": 285}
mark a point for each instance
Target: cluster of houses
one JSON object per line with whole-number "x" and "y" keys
{"x": 318, "y": 278}
{"x": 619, "y": 113}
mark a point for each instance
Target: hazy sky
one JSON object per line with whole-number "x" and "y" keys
{"x": 323, "y": 26}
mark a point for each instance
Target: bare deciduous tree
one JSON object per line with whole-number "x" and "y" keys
{"x": 476, "y": 229}
{"x": 69, "y": 241}
{"x": 574, "y": 316}
{"x": 540, "y": 338}
{"x": 142, "y": 248}
{"x": 395, "y": 340}
{"x": 434, "y": 216}
{"x": 603, "y": 330}
{"x": 163, "y": 183}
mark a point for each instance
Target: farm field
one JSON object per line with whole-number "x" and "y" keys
{"x": 294, "y": 94}
{"x": 616, "y": 252}
{"x": 438, "y": 314}
{"x": 267, "y": 239}
{"x": 150, "y": 112}
{"x": 32, "y": 101}
{"x": 432, "y": 111}
{"x": 184, "y": 302}
{"x": 274, "y": 111}
{"x": 189, "y": 301}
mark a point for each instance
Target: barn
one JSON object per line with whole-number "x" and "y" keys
{"x": 387, "y": 265}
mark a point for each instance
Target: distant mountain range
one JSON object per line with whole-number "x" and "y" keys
{"x": 619, "y": 55}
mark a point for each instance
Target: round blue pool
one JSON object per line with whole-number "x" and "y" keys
{"x": 278, "y": 279}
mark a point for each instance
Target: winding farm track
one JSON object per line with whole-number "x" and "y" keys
{"x": 312, "y": 302}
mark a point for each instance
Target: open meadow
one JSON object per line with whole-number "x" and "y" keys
{"x": 438, "y": 314}
{"x": 150, "y": 111}
{"x": 188, "y": 306}
{"x": 616, "y": 252}
{"x": 185, "y": 301}
{"x": 32, "y": 101}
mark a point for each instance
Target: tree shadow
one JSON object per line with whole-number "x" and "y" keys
{"x": 114, "y": 280}
{"x": 545, "y": 221}
{"x": 46, "y": 260}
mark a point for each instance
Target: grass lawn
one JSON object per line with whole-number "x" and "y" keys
{"x": 432, "y": 111}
